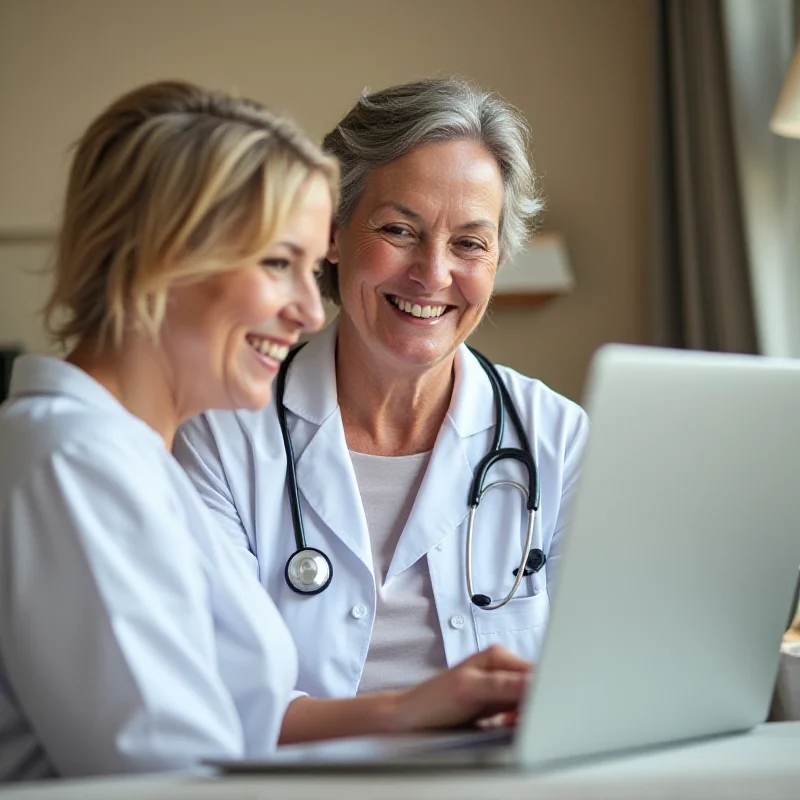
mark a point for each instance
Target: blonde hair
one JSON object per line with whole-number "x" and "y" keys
{"x": 171, "y": 183}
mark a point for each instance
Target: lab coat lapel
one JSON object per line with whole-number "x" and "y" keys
{"x": 325, "y": 474}
{"x": 441, "y": 505}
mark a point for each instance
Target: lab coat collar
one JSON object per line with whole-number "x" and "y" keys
{"x": 38, "y": 375}
{"x": 442, "y": 503}
{"x": 49, "y": 375}
{"x": 311, "y": 388}
{"x": 311, "y": 391}
{"x": 472, "y": 406}
{"x": 311, "y": 394}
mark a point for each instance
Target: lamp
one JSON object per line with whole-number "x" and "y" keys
{"x": 786, "y": 116}
{"x": 538, "y": 273}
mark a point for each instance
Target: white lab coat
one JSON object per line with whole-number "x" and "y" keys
{"x": 131, "y": 636}
{"x": 237, "y": 462}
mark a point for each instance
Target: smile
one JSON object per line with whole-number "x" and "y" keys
{"x": 266, "y": 347}
{"x": 415, "y": 309}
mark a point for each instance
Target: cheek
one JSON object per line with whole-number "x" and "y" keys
{"x": 477, "y": 284}
{"x": 254, "y": 301}
{"x": 371, "y": 263}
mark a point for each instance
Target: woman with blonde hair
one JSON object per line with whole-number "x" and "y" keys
{"x": 131, "y": 636}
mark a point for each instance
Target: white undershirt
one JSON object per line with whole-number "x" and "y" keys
{"x": 406, "y": 645}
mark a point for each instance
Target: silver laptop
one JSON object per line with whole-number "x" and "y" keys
{"x": 679, "y": 568}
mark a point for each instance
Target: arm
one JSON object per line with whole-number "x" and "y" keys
{"x": 105, "y": 626}
{"x": 195, "y": 449}
{"x": 488, "y": 684}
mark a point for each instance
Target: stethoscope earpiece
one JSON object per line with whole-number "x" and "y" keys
{"x": 533, "y": 563}
{"x": 481, "y": 600}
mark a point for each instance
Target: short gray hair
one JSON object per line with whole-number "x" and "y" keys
{"x": 386, "y": 125}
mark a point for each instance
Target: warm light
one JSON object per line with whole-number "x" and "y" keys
{"x": 542, "y": 268}
{"x": 786, "y": 117}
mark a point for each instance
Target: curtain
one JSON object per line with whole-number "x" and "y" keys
{"x": 699, "y": 285}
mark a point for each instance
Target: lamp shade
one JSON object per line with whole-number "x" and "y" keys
{"x": 539, "y": 272}
{"x": 786, "y": 117}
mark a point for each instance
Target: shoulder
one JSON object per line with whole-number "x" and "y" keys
{"x": 214, "y": 434}
{"x": 80, "y": 452}
{"x": 104, "y": 489}
{"x": 33, "y": 429}
{"x": 539, "y": 397}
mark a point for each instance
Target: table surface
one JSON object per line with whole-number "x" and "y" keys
{"x": 763, "y": 764}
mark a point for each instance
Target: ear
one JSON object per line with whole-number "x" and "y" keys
{"x": 333, "y": 246}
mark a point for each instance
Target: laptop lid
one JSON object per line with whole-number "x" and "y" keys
{"x": 681, "y": 559}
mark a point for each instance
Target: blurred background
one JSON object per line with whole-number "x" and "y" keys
{"x": 671, "y": 197}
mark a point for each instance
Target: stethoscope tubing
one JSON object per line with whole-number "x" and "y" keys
{"x": 291, "y": 472}
{"x": 504, "y": 404}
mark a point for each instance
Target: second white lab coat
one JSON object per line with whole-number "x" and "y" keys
{"x": 237, "y": 462}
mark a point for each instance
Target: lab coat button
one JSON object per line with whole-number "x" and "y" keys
{"x": 439, "y": 546}
{"x": 358, "y": 612}
{"x": 457, "y": 621}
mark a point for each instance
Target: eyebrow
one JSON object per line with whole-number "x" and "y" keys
{"x": 411, "y": 214}
{"x": 297, "y": 251}
{"x": 480, "y": 223}
{"x": 404, "y": 210}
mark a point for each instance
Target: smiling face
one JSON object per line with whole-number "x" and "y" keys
{"x": 418, "y": 256}
{"x": 226, "y": 335}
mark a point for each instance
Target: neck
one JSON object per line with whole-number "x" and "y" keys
{"x": 386, "y": 410}
{"x": 138, "y": 376}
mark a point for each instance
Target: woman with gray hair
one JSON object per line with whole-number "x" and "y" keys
{"x": 383, "y": 422}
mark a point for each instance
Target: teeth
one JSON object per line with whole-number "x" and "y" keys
{"x": 268, "y": 348}
{"x": 417, "y": 310}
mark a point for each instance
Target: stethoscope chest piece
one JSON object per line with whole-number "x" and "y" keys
{"x": 308, "y": 571}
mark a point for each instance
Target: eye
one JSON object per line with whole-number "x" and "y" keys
{"x": 471, "y": 244}
{"x": 319, "y": 269}
{"x": 276, "y": 263}
{"x": 396, "y": 230}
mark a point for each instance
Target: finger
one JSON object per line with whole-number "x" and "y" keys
{"x": 503, "y": 719}
{"x": 495, "y": 690}
{"x": 498, "y": 658}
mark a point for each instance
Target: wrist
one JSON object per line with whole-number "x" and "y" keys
{"x": 392, "y": 712}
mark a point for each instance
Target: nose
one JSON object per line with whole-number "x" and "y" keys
{"x": 306, "y": 312}
{"x": 431, "y": 269}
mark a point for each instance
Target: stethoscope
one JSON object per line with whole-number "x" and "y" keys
{"x": 309, "y": 571}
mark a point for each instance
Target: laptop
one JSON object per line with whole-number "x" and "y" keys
{"x": 679, "y": 568}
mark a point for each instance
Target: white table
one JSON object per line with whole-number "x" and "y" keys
{"x": 759, "y": 765}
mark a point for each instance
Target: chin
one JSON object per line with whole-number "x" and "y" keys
{"x": 256, "y": 403}
{"x": 250, "y": 399}
{"x": 417, "y": 356}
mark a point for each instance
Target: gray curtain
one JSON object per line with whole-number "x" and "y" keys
{"x": 699, "y": 286}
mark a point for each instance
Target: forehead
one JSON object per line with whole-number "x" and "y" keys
{"x": 458, "y": 174}
{"x": 309, "y": 222}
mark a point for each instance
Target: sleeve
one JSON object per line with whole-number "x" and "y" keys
{"x": 106, "y": 626}
{"x": 195, "y": 448}
{"x": 573, "y": 456}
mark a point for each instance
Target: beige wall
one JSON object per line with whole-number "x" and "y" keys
{"x": 579, "y": 69}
